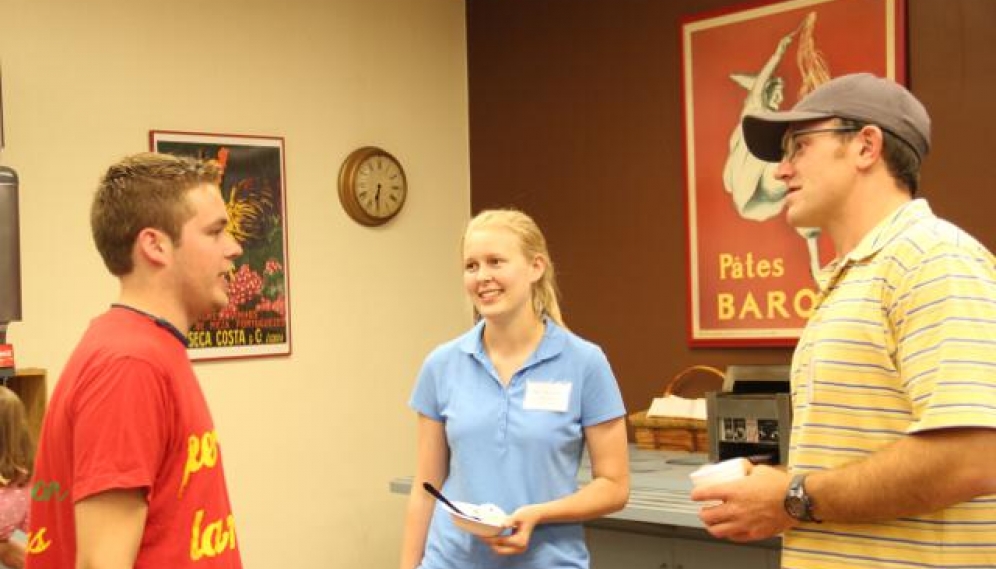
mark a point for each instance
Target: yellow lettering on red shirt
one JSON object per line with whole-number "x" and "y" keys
{"x": 37, "y": 542}
{"x": 213, "y": 539}
{"x": 202, "y": 452}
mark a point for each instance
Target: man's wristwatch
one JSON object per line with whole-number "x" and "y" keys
{"x": 798, "y": 504}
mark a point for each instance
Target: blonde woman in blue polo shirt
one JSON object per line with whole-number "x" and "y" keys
{"x": 505, "y": 411}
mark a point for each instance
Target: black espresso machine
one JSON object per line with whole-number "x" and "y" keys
{"x": 752, "y": 416}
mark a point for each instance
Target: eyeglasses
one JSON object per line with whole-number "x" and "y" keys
{"x": 790, "y": 148}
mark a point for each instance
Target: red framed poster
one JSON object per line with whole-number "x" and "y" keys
{"x": 751, "y": 275}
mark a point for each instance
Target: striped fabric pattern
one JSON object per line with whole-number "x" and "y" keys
{"x": 903, "y": 340}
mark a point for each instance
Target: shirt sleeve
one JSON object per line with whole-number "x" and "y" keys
{"x": 120, "y": 433}
{"x": 425, "y": 395}
{"x": 945, "y": 319}
{"x": 600, "y": 397}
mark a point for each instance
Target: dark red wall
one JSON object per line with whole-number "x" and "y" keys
{"x": 575, "y": 117}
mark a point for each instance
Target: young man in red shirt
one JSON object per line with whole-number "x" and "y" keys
{"x": 129, "y": 470}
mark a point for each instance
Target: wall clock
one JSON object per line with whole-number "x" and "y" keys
{"x": 372, "y": 186}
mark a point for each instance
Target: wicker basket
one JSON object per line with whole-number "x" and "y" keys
{"x": 678, "y": 433}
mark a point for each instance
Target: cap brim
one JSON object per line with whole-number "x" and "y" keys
{"x": 764, "y": 132}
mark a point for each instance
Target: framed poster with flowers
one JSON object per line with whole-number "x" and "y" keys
{"x": 751, "y": 275}
{"x": 256, "y": 321}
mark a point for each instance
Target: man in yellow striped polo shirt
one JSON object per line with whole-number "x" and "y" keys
{"x": 893, "y": 454}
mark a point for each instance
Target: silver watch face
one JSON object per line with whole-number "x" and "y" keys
{"x": 795, "y": 507}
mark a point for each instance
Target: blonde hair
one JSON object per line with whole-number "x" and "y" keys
{"x": 545, "y": 293}
{"x": 17, "y": 449}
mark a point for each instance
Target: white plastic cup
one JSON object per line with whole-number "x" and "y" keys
{"x": 726, "y": 471}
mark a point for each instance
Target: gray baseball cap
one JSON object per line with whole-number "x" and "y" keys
{"x": 861, "y": 96}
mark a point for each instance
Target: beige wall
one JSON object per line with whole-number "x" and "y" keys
{"x": 310, "y": 440}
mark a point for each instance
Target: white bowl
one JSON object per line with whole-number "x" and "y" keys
{"x": 484, "y": 520}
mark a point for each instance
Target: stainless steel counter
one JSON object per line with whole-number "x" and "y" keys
{"x": 659, "y": 527}
{"x": 659, "y": 487}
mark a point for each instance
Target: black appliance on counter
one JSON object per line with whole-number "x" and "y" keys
{"x": 752, "y": 416}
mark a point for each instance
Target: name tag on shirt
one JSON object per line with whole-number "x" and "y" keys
{"x": 547, "y": 395}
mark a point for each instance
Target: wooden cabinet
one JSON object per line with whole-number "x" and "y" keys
{"x": 29, "y": 384}
{"x": 613, "y": 549}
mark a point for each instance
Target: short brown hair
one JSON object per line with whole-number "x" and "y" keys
{"x": 140, "y": 191}
{"x": 17, "y": 449}
{"x": 901, "y": 160}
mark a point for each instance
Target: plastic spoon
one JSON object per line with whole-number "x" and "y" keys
{"x": 439, "y": 496}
